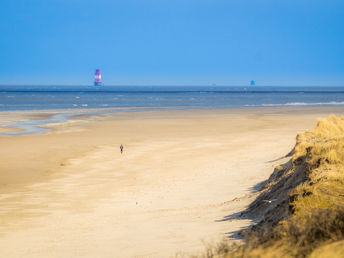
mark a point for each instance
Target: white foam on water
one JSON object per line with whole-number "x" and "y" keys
{"x": 331, "y": 103}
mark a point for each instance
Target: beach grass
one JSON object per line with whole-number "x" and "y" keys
{"x": 307, "y": 217}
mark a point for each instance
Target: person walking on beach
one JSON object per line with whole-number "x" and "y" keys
{"x": 121, "y": 147}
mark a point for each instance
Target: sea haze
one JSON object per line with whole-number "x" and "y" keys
{"x": 76, "y": 97}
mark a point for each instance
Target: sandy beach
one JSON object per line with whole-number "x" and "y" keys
{"x": 71, "y": 193}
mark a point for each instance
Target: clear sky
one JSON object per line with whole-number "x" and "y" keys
{"x": 228, "y": 42}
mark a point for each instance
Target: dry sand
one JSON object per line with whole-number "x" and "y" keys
{"x": 70, "y": 193}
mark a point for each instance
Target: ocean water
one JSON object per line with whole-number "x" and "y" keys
{"x": 85, "y": 97}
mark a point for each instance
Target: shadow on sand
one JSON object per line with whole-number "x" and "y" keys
{"x": 245, "y": 214}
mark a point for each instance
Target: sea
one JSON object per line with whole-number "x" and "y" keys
{"x": 115, "y": 99}
{"x": 13, "y": 98}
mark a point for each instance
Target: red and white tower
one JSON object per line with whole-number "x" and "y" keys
{"x": 97, "y": 78}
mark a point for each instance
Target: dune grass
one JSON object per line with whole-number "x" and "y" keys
{"x": 308, "y": 218}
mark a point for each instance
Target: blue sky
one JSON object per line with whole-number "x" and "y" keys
{"x": 227, "y": 42}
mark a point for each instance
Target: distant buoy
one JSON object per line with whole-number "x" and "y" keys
{"x": 97, "y": 78}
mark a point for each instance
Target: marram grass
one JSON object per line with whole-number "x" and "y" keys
{"x": 308, "y": 218}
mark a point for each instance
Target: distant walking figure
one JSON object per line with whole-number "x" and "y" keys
{"x": 121, "y": 147}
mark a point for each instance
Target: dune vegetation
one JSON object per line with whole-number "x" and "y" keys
{"x": 300, "y": 209}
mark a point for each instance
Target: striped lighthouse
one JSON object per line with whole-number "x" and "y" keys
{"x": 97, "y": 78}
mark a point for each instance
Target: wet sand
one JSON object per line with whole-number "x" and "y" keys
{"x": 71, "y": 193}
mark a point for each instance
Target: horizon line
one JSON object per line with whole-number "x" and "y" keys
{"x": 180, "y": 85}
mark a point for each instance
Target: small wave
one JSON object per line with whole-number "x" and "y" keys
{"x": 331, "y": 103}
{"x": 84, "y": 105}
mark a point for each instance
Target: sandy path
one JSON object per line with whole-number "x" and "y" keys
{"x": 166, "y": 194}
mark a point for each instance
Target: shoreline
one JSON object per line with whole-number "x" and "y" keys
{"x": 36, "y": 122}
{"x": 182, "y": 173}
{"x": 42, "y": 119}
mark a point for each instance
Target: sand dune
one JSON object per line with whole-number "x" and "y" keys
{"x": 70, "y": 193}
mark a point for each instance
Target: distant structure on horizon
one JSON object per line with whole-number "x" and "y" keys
{"x": 97, "y": 78}
{"x": 253, "y": 83}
